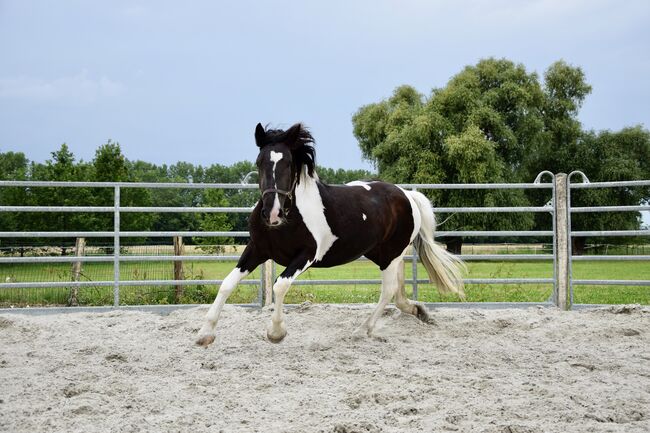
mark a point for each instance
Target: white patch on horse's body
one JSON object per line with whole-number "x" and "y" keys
{"x": 359, "y": 183}
{"x": 310, "y": 205}
{"x": 415, "y": 212}
{"x": 275, "y": 211}
{"x": 363, "y": 215}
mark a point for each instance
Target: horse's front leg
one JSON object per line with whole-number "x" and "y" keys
{"x": 278, "y": 330}
{"x": 248, "y": 261}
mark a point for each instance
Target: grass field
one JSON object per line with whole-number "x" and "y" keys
{"x": 360, "y": 293}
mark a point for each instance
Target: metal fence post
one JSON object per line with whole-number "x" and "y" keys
{"x": 584, "y": 180}
{"x": 116, "y": 249}
{"x": 562, "y": 241}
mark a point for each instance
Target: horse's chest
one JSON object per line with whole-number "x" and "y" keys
{"x": 312, "y": 210}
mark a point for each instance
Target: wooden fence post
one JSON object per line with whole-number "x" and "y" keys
{"x": 179, "y": 274}
{"x": 79, "y": 250}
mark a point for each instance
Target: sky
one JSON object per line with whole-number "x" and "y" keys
{"x": 188, "y": 81}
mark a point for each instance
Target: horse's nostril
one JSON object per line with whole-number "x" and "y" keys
{"x": 265, "y": 214}
{"x": 280, "y": 213}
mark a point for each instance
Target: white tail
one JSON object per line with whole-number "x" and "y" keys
{"x": 444, "y": 269}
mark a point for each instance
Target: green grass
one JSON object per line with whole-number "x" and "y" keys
{"x": 360, "y": 293}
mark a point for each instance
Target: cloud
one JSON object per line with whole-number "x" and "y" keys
{"x": 77, "y": 89}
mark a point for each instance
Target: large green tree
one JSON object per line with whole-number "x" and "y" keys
{"x": 496, "y": 122}
{"x": 477, "y": 129}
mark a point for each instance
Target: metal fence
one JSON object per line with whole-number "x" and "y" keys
{"x": 558, "y": 207}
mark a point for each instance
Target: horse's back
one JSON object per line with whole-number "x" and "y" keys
{"x": 369, "y": 218}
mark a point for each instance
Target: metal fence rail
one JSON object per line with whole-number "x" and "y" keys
{"x": 559, "y": 207}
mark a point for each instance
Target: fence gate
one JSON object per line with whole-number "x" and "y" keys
{"x": 585, "y": 184}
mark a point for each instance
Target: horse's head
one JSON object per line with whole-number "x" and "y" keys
{"x": 283, "y": 157}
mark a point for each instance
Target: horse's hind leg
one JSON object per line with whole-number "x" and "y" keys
{"x": 389, "y": 286}
{"x": 406, "y": 305}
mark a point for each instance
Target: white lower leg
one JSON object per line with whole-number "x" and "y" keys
{"x": 401, "y": 301}
{"x": 207, "y": 332}
{"x": 388, "y": 288}
{"x": 277, "y": 331}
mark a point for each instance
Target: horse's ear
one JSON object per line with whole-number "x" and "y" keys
{"x": 293, "y": 136}
{"x": 260, "y": 135}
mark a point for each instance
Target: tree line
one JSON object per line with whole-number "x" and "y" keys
{"x": 495, "y": 122}
{"x": 110, "y": 165}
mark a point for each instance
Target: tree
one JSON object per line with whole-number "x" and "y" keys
{"x": 240, "y": 172}
{"x": 13, "y": 166}
{"x": 495, "y": 122}
{"x": 341, "y": 176}
{"x": 477, "y": 129}
{"x": 210, "y": 222}
{"x": 608, "y": 156}
{"x": 603, "y": 156}
{"x": 110, "y": 165}
{"x": 62, "y": 167}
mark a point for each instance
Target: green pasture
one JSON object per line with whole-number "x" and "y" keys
{"x": 359, "y": 293}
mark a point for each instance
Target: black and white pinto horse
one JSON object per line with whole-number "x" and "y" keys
{"x": 300, "y": 222}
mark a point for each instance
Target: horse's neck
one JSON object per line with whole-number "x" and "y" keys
{"x": 307, "y": 188}
{"x": 311, "y": 205}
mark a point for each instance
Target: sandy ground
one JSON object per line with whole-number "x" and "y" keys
{"x": 535, "y": 370}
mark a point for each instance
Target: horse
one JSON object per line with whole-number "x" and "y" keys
{"x": 301, "y": 222}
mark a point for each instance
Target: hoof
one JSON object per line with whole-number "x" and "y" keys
{"x": 276, "y": 334}
{"x": 275, "y": 338}
{"x": 361, "y": 333}
{"x": 205, "y": 340}
{"x": 421, "y": 313}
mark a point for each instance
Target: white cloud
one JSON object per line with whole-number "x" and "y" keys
{"x": 77, "y": 89}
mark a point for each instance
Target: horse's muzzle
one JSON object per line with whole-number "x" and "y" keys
{"x": 273, "y": 218}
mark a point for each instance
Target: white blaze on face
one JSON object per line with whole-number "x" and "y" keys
{"x": 363, "y": 215}
{"x": 275, "y": 157}
{"x": 275, "y": 211}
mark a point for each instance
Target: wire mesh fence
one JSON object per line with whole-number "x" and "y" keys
{"x": 89, "y": 272}
{"x": 199, "y": 270}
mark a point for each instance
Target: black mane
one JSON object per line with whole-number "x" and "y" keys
{"x": 299, "y": 140}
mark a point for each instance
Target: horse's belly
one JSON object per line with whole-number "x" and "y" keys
{"x": 345, "y": 251}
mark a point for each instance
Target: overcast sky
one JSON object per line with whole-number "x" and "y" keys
{"x": 190, "y": 80}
